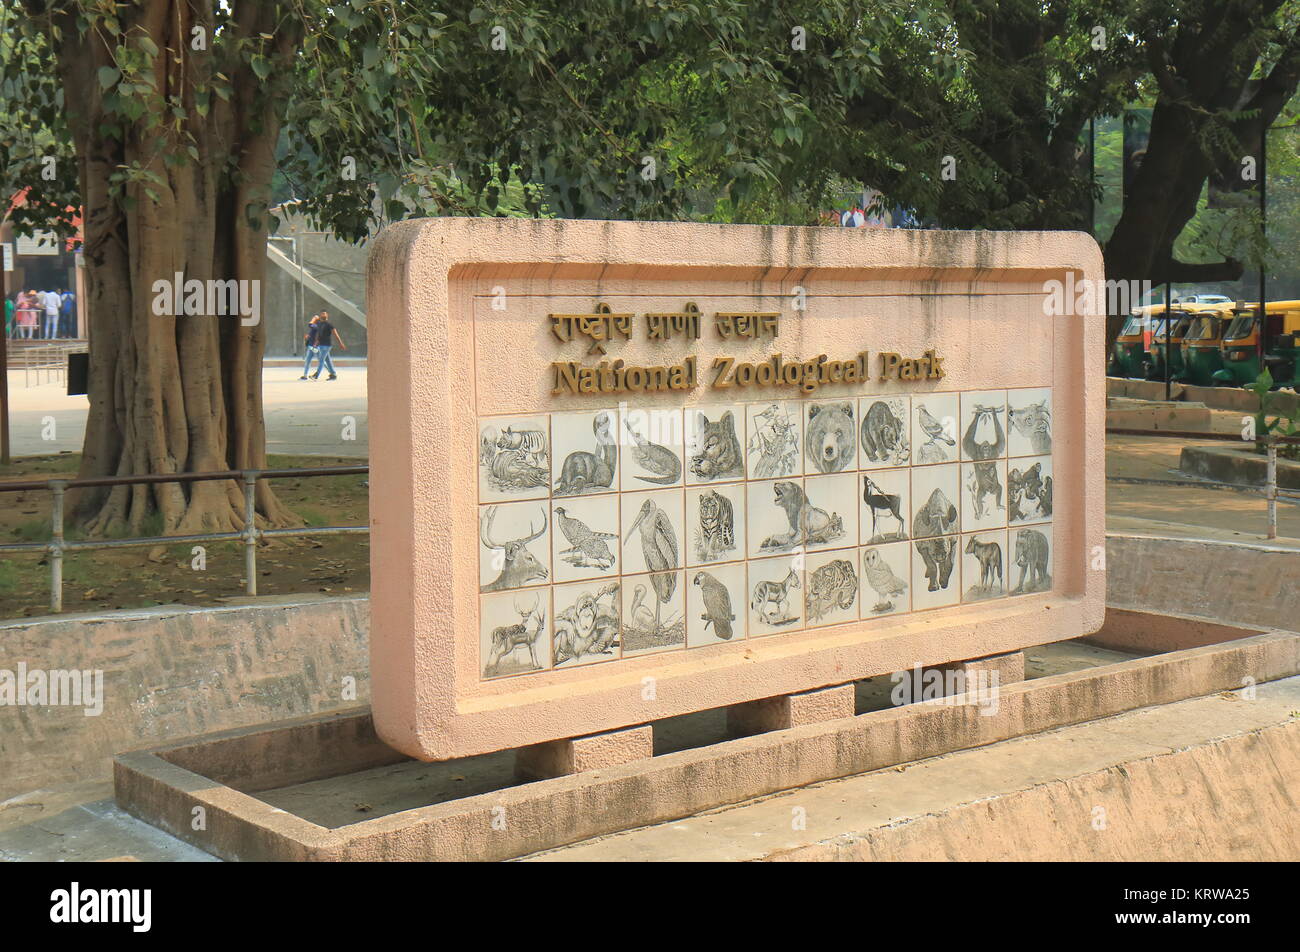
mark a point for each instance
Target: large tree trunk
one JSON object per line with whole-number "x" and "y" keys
{"x": 171, "y": 394}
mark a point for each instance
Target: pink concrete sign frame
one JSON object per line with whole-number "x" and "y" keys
{"x": 441, "y": 356}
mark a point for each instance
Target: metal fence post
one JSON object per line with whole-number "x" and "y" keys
{"x": 250, "y": 531}
{"x": 1271, "y": 489}
{"x": 56, "y": 545}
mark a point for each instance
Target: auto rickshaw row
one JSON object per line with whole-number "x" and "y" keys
{"x": 1207, "y": 345}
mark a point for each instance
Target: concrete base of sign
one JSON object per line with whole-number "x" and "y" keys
{"x": 1010, "y": 667}
{"x": 791, "y": 710}
{"x": 218, "y": 777}
{"x": 559, "y": 758}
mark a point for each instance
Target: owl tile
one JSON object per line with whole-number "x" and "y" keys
{"x": 886, "y": 580}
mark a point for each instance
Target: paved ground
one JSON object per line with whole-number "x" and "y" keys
{"x": 851, "y": 808}
{"x": 81, "y": 822}
{"x": 302, "y": 416}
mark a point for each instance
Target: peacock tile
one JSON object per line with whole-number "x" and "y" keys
{"x": 715, "y": 523}
{"x": 775, "y": 588}
{"x": 514, "y": 637}
{"x": 715, "y": 604}
{"x": 586, "y": 452}
{"x": 884, "y": 431}
{"x": 885, "y": 505}
{"x": 774, "y": 439}
{"x": 514, "y": 545}
{"x": 651, "y": 447}
{"x": 588, "y": 622}
{"x": 654, "y": 612}
{"x": 984, "y": 565}
{"x": 585, "y": 537}
{"x": 832, "y": 587}
{"x": 514, "y": 458}
{"x": 934, "y": 428}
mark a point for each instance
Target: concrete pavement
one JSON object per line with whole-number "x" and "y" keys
{"x": 318, "y": 417}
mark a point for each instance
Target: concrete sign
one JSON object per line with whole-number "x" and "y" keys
{"x": 625, "y": 471}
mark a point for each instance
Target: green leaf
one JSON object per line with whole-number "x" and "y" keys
{"x": 261, "y": 65}
{"x": 108, "y": 75}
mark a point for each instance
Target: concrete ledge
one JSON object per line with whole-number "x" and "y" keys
{"x": 552, "y": 813}
{"x": 175, "y": 672}
{"x": 1218, "y": 398}
{"x": 1236, "y": 466}
{"x": 1240, "y": 583}
{"x": 1157, "y": 415}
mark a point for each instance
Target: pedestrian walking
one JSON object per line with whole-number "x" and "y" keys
{"x": 309, "y": 339}
{"x": 50, "y": 302}
{"x": 326, "y": 334}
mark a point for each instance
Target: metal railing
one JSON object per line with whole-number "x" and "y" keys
{"x": 57, "y": 544}
{"x": 1268, "y": 490}
{"x": 42, "y": 360}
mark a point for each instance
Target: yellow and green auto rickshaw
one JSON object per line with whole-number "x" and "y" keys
{"x": 1202, "y": 350}
{"x": 1167, "y": 338}
{"x": 1241, "y": 345}
{"x": 1129, "y": 355}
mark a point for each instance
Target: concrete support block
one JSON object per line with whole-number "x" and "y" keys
{"x": 791, "y": 710}
{"x": 1010, "y": 667}
{"x": 559, "y": 758}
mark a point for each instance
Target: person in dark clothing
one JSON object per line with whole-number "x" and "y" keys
{"x": 309, "y": 339}
{"x": 326, "y": 334}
